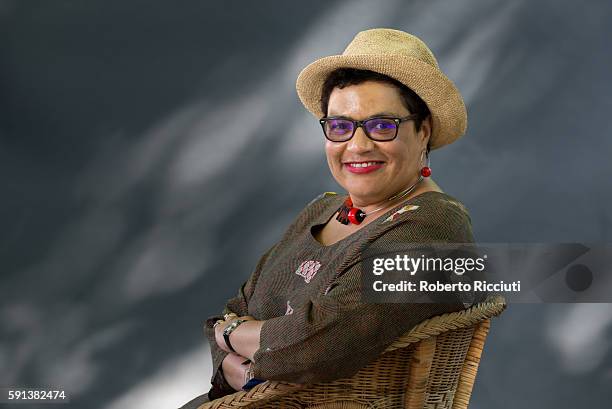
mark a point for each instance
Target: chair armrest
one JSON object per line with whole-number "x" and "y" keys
{"x": 451, "y": 321}
{"x": 254, "y": 396}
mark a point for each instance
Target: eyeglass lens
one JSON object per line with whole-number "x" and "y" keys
{"x": 377, "y": 128}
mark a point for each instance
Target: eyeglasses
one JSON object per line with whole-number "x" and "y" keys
{"x": 380, "y": 129}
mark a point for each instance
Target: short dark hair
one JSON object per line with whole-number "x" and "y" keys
{"x": 343, "y": 77}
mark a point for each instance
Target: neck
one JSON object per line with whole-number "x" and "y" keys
{"x": 389, "y": 202}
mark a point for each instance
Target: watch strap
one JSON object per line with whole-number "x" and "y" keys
{"x": 228, "y": 330}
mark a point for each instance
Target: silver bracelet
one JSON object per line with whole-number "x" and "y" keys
{"x": 248, "y": 374}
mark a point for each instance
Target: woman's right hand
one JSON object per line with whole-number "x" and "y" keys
{"x": 234, "y": 370}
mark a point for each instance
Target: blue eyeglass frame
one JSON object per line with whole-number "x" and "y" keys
{"x": 360, "y": 124}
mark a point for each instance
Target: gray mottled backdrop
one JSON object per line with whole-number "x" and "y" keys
{"x": 150, "y": 151}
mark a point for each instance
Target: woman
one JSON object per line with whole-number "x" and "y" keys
{"x": 383, "y": 104}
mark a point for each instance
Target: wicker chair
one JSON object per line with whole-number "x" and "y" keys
{"x": 434, "y": 365}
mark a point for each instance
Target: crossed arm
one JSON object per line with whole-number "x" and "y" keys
{"x": 245, "y": 341}
{"x": 229, "y": 368}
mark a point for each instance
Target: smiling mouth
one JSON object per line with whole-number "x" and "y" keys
{"x": 363, "y": 164}
{"x": 363, "y": 167}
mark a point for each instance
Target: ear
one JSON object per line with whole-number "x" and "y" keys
{"x": 425, "y": 131}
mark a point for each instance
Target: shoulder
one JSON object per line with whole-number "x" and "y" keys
{"x": 429, "y": 217}
{"x": 323, "y": 196}
{"x": 318, "y": 210}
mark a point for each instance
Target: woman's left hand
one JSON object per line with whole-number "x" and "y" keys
{"x": 234, "y": 370}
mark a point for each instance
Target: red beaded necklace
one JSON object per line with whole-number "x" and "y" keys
{"x": 347, "y": 213}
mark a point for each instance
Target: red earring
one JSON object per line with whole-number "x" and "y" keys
{"x": 425, "y": 170}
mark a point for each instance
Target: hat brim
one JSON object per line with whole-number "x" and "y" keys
{"x": 444, "y": 101}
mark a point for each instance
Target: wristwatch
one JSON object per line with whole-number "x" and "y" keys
{"x": 228, "y": 330}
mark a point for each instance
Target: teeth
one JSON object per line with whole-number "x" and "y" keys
{"x": 363, "y": 164}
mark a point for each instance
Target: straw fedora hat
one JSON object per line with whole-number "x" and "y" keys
{"x": 403, "y": 57}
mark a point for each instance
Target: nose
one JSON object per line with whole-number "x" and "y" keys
{"x": 360, "y": 142}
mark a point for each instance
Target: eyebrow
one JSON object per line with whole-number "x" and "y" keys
{"x": 391, "y": 114}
